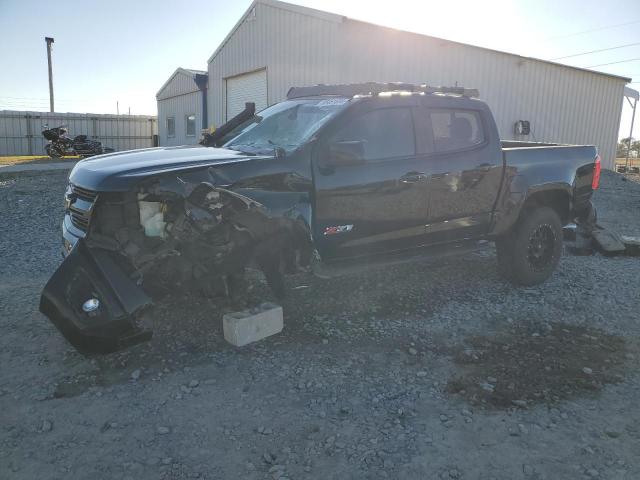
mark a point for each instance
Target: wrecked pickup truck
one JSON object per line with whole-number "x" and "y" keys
{"x": 331, "y": 180}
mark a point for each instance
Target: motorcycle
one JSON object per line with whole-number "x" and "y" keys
{"x": 60, "y": 144}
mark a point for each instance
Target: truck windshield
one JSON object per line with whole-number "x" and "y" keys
{"x": 285, "y": 125}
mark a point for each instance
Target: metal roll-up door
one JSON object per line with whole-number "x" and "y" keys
{"x": 248, "y": 87}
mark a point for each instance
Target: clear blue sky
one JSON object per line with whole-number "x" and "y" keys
{"x": 116, "y": 50}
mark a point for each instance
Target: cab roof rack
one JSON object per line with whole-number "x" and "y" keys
{"x": 375, "y": 88}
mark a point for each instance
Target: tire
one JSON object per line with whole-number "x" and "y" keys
{"x": 52, "y": 151}
{"x": 530, "y": 253}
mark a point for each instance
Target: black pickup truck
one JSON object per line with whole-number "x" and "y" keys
{"x": 335, "y": 178}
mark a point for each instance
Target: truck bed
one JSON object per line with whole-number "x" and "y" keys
{"x": 547, "y": 164}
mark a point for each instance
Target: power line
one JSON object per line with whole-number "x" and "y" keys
{"x": 613, "y": 63}
{"x": 597, "y": 51}
{"x": 607, "y": 27}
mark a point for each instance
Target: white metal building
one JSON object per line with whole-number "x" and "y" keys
{"x": 277, "y": 45}
{"x": 182, "y": 107}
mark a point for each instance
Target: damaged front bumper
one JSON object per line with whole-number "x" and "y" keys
{"x": 108, "y": 321}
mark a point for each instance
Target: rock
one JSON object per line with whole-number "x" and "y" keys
{"x": 268, "y": 458}
{"x": 587, "y": 370}
{"x": 163, "y": 430}
{"x": 454, "y": 474}
{"x": 325, "y": 341}
{"x": 47, "y": 426}
{"x": 443, "y": 418}
{"x": 276, "y": 468}
{"x": 421, "y": 373}
{"x": 487, "y": 387}
{"x": 135, "y": 375}
{"x": 592, "y": 472}
{"x": 413, "y": 351}
{"x": 194, "y": 383}
{"x": 466, "y": 413}
{"x": 528, "y": 469}
{"x": 519, "y": 403}
{"x": 612, "y": 433}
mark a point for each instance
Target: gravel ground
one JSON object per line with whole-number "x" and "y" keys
{"x": 437, "y": 370}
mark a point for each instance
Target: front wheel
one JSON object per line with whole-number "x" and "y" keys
{"x": 529, "y": 254}
{"x": 52, "y": 151}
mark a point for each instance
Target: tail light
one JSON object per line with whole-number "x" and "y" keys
{"x": 595, "y": 182}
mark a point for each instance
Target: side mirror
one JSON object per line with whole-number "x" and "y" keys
{"x": 346, "y": 152}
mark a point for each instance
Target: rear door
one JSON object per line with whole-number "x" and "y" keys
{"x": 379, "y": 205}
{"x": 464, "y": 169}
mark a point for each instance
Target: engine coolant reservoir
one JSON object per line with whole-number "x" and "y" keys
{"x": 152, "y": 219}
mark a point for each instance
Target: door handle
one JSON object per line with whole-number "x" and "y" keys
{"x": 413, "y": 177}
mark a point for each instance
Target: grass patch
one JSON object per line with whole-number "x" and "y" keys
{"x": 20, "y": 159}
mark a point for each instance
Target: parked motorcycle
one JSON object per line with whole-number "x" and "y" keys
{"x": 60, "y": 144}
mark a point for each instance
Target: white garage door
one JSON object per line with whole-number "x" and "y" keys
{"x": 248, "y": 87}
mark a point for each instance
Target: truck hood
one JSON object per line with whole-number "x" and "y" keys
{"x": 119, "y": 171}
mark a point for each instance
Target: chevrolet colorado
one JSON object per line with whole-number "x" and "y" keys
{"x": 332, "y": 179}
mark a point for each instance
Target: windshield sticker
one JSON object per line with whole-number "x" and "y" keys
{"x": 332, "y": 101}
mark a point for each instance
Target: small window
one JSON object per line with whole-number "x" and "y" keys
{"x": 456, "y": 129}
{"x": 386, "y": 133}
{"x": 171, "y": 127}
{"x": 190, "y": 121}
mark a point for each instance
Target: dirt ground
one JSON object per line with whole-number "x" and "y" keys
{"x": 427, "y": 371}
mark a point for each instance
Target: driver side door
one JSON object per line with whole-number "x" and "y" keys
{"x": 377, "y": 203}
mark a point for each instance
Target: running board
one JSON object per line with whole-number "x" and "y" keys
{"x": 362, "y": 264}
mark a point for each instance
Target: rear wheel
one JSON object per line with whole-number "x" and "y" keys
{"x": 531, "y": 251}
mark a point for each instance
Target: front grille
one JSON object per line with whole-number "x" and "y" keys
{"x": 80, "y": 206}
{"x": 80, "y": 219}
{"x": 83, "y": 193}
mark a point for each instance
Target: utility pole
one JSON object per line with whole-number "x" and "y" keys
{"x": 49, "y": 41}
{"x": 117, "y": 107}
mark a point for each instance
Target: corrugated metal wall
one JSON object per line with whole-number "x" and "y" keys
{"x": 563, "y": 104}
{"x": 179, "y": 85}
{"x": 179, "y": 97}
{"x": 295, "y": 48}
{"x": 21, "y": 132}
{"x": 179, "y": 107}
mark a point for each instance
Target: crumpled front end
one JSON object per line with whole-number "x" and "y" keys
{"x": 93, "y": 302}
{"x": 168, "y": 236}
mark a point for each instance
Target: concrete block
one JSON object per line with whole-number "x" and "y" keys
{"x": 242, "y": 328}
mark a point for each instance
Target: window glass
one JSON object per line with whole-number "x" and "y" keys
{"x": 171, "y": 127}
{"x": 456, "y": 129}
{"x": 386, "y": 133}
{"x": 191, "y": 125}
{"x": 285, "y": 125}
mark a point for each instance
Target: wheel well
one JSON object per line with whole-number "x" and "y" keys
{"x": 558, "y": 200}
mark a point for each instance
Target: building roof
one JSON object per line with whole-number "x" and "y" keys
{"x": 185, "y": 71}
{"x": 332, "y": 17}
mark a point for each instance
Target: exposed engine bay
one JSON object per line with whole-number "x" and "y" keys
{"x": 202, "y": 237}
